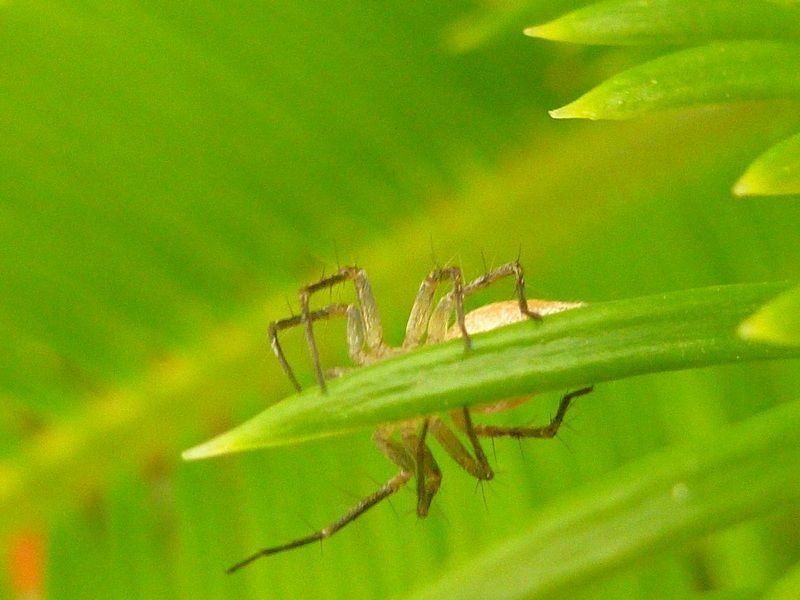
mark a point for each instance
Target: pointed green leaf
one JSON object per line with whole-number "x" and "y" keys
{"x": 628, "y": 22}
{"x": 587, "y": 345}
{"x": 775, "y": 172}
{"x": 663, "y": 500}
{"x": 777, "y": 322}
{"x": 741, "y": 71}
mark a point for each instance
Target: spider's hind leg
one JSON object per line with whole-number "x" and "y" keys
{"x": 397, "y": 454}
{"x": 395, "y": 451}
{"x": 427, "y": 472}
{"x": 547, "y": 431}
{"x": 477, "y": 466}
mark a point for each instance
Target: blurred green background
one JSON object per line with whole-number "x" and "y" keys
{"x": 171, "y": 173}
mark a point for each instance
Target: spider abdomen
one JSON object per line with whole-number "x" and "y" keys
{"x": 500, "y": 314}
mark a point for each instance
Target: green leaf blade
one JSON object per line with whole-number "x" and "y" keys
{"x": 741, "y": 71}
{"x": 775, "y": 172}
{"x": 787, "y": 587}
{"x": 599, "y": 342}
{"x": 666, "y": 499}
{"x": 632, "y": 22}
{"x": 777, "y": 322}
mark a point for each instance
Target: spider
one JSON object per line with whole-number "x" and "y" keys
{"x": 427, "y": 324}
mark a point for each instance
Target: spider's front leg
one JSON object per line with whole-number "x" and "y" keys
{"x": 364, "y": 330}
{"x": 294, "y": 321}
{"x": 370, "y": 320}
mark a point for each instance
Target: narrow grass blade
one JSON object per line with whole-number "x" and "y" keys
{"x": 629, "y": 22}
{"x": 656, "y": 503}
{"x": 777, "y": 322}
{"x": 777, "y": 171}
{"x": 599, "y": 342}
{"x": 741, "y": 71}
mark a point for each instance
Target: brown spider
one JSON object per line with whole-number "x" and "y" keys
{"x": 426, "y": 325}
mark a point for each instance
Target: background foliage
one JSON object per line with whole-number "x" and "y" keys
{"x": 171, "y": 172}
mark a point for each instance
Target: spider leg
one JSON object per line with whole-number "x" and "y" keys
{"x": 420, "y": 318}
{"x": 369, "y": 317}
{"x": 438, "y": 323}
{"x": 294, "y": 321}
{"x": 386, "y": 490}
{"x": 513, "y": 268}
{"x": 355, "y": 334}
{"x": 478, "y": 466}
{"x": 428, "y": 474}
{"x": 394, "y": 451}
{"x": 547, "y": 431}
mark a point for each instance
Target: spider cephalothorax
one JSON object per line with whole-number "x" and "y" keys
{"x": 428, "y": 323}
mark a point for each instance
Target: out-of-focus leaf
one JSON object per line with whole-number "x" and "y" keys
{"x": 470, "y": 32}
{"x": 777, "y": 322}
{"x": 629, "y": 22}
{"x": 499, "y": 20}
{"x": 787, "y": 588}
{"x": 667, "y": 498}
{"x": 595, "y": 343}
{"x": 719, "y": 72}
{"x": 777, "y": 171}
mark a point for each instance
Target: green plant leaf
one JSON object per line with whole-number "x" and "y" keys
{"x": 786, "y": 588}
{"x": 599, "y": 342}
{"x": 777, "y": 322}
{"x": 667, "y": 498}
{"x": 171, "y": 176}
{"x": 741, "y": 71}
{"x": 777, "y": 171}
{"x": 629, "y": 22}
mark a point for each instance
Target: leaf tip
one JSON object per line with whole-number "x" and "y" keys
{"x": 574, "y": 110}
{"x": 755, "y": 183}
{"x": 776, "y": 322}
{"x": 757, "y": 329}
{"x": 759, "y": 182}
{"x": 748, "y": 329}
{"x": 743, "y": 187}
{"x": 213, "y": 447}
{"x": 556, "y": 31}
{"x": 538, "y": 31}
{"x": 775, "y": 173}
